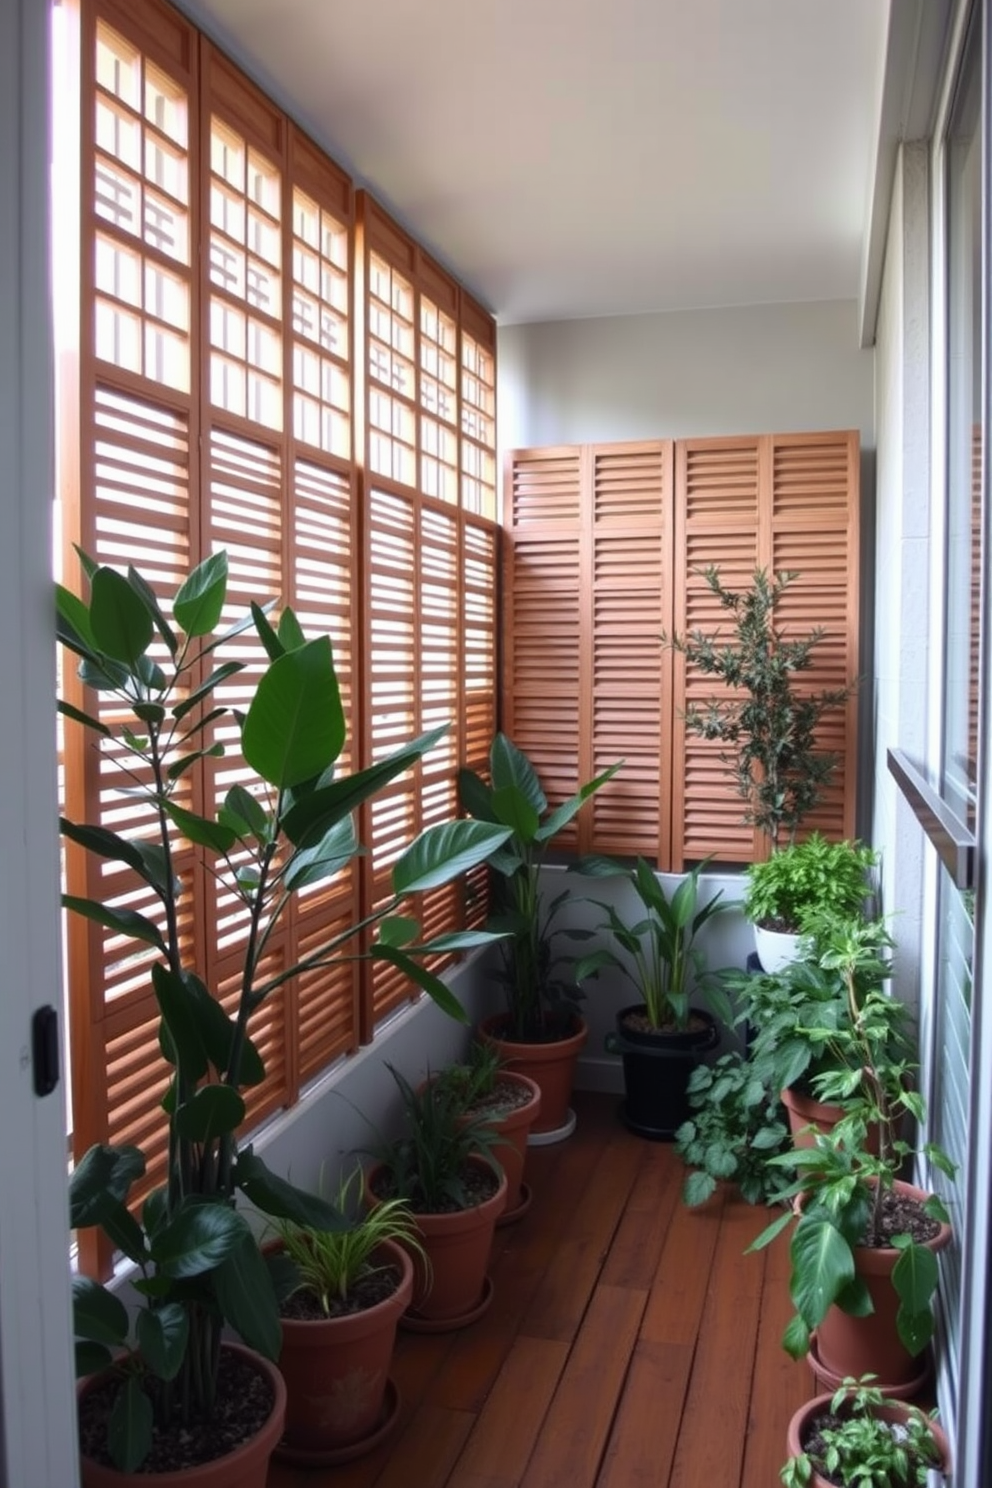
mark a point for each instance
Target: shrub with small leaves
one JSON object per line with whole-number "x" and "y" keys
{"x": 736, "y": 1128}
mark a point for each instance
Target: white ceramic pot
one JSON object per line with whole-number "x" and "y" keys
{"x": 775, "y": 948}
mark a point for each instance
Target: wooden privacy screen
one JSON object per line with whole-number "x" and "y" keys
{"x": 247, "y": 380}
{"x": 606, "y": 547}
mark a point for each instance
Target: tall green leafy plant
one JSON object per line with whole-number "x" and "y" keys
{"x": 197, "y": 1263}
{"x": 769, "y": 721}
{"x": 537, "y": 996}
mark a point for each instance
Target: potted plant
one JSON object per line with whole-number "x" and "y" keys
{"x": 768, "y": 722}
{"x": 734, "y": 1128}
{"x": 506, "y": 1100}
{"x": 541, "y": 1031}
{"x": 662, "y": 1036}
{"x": 863, "y": 1250}
{"x": 798, "y": 882}
{"x": 167, "y": 1396}
{"x": 858, "y": 1439}
{"x": 443, "y": 1165}
{"x": 341, "y": 1294}
{"x": 799, "y": 1022}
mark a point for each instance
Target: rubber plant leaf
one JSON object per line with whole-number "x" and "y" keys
{"x": 129, "y": 1430}
{"x": 162, "y": 1336}
{"x": 124, "y": 921}
{"x": 443, "y": 852}
{"x": 295, "y": 724}
{"x": 120, "y": 620}
{"x": 200, "y": 600}
{"x": 213, "y": 1111}
{"x": 510, "y": 767}
{"x": 437, "y": 990}
{"x": 197, "y": 1238}
{"x": 312, "y": 815}
{"x": 98, "y": 1315}
{"x": 246, "y": 1297}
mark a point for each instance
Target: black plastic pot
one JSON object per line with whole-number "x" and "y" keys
{"x": 656, "y": 1071}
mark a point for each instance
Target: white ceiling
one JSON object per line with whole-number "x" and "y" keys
{"x": 568, "y": 158}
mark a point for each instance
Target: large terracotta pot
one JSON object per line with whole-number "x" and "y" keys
{"x": 854, "y": 1346}
{"x": 550, "y": 1065}
{"x": 513, "y": 1126}
{"x": 799, "y": 1426}
{"x": 246, "y": 1467}
{"x": 336, "y": 1369}
{"x": 453, "y": 1289}
{"x": 803, "y": 1111}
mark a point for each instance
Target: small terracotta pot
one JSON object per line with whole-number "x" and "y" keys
{"x": 452, "y": 1287}
{"x": 551, "y": 1066}
{"x": 513, "y": 1126}
{"x": 246, "y": 1467}
{"x": 892, "y": 1411}
{"x": 803, "y": 1111}
{"x": 336, "y": 1368}
{"x": 854, "y": 1346}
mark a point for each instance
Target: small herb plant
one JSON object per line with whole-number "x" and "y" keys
{"x": 541, "y": 996}
{"x": 859, "y": 1448}
{"x": 842, "y": 1182}
{"x": 806, "y": 878}
{"x": 660, "y": 958}
{"x": 330, "y": 1263}
{"x": 428, "y": 1165}
{"x": 769, "y": 724}
{"x": 736, "y": 1128}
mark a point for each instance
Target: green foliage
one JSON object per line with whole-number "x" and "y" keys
{"x": 329, "y": 1263}
{"x": 736, "y": 1129}
{"x": 541, "y": 993}
{"x": 769, "y": 729}
{"x": 843, "y": 1177}
{"x": 861, "y": 1449}
{"x": 426, "y": 1166}
{"x": 475, "y": 1079}
{"x": 198, "y": 1264}
{"x": 806, "y": 878}
{"x": 660, "y": 958}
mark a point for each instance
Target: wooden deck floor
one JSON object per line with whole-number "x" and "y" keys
{"x": 630, "y": 1342}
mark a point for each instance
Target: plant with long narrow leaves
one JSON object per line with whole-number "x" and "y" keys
{"x": 844, "y": 1177}
{"x": 198, "y": 1265}
{"x": 658, "y": 954}
{"x": 541, "y": 993}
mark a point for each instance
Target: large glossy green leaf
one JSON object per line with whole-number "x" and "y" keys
{"x": 269, "y": 638}
{"x": 315, "y": 813}
{"x": 822, "y": 1265}
{"x": 290, "y": 631}
{"x": 213, "y": 1111}
{"x": 510, "y": 767}
{"x": 915, "y": 1329}
{"x": 183, "y": 1019}
{"x": 245, "y": 1295}
{"x": 97, "y": 1314}
{"x": 311, "y": 865}
{"x": 104, "y": 675}
{"x": 162, "y": 1335}
{"x": 217, "y": 1031}
{"x": 444, "y": 851}
{"x": 245, "y": 814}
{"x": 282, "y": 1200}
{"x": 197, "y": 1238}
{"x": 295, "y": 725}
{"x": 91, "y": 1358}
{"x": 459, "y": 940}
{"x": 78, "y": 716}
{"x": 75, "y": 630}
{"x": 147, "y": 859}
{"x": 129, "y": 1431}
{"x": 439, "y": 991}
{"x": 120, "y": 620}
{"x": 475, "y": 796}
{"x": 201, "y": 830}
{"x": 141, "y": 586}
{"x": 102, "y": 1172}
{"x": 198, "y": 605}
{"x": 123, "y": 921}
{"x": 515, "y": 811}
{"x": 914, "y": 1275}
{"x": 564, "y": 813}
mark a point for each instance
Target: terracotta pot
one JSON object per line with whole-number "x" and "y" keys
{"x": 551, "y": 1066}
{"x": 853, "y": 1346}
{"x": 513, "y": 1126}
{"x": 892, "y": 1411}
{"x": 336, "y": 1369}
{"x": 246, "y": 1467}
{"x": 804, "y": 1111}
{"x": 452, "y": 1289}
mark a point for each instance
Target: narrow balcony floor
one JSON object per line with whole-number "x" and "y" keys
{"x": 630, "y": 1343}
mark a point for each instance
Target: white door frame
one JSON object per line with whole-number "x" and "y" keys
{"x": 37, "y": 1404}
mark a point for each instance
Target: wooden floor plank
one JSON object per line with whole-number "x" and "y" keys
{"x": 779, "y": 1385}
{"x": 641, "y": 1234}
{"x": 720, "y": 1383}
{"x": 431, "y": 1446}
{"x": 641, "y": 1447}
{"x": 682, "y": 1275}
{"x": 507, "y": 1429}
{"x": 571, "y": 1443}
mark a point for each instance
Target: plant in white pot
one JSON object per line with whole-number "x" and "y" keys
{"x": 786, "y": 892}
{"x": 170, "y": 1399}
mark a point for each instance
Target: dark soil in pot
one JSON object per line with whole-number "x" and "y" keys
{"x": 244, "y": 1404}
{"x": 369, "y": 1291}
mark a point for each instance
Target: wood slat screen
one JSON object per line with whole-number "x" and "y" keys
{"x": 590, "y": 533}
{"x": 607, "y": 544}
{"x": 219, "y": 405}
{"x": 430, "y": 546}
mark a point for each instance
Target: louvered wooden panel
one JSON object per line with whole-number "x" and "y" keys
{"x": 719, "y": 481}
{"x": 137, "y": 1079}
{"x": 631, "y": 605}
{"x": 812, "y": 479}
{"x": 269, "y": 1028}
{"x": 327, "y": 998}
{"x": 543, "y": 486}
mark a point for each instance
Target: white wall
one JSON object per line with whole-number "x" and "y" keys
{"x": 755, "y": 369}
{"x": 903, "y": 551}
